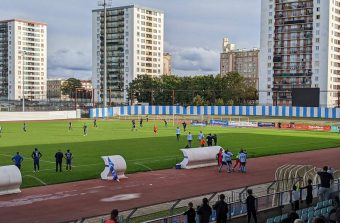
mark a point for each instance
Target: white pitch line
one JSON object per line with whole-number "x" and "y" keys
{"x": 36, "y": 178}
{"x": 144, "y": 166}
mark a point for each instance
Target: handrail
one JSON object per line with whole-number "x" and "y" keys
{"x": 134, "y": 209}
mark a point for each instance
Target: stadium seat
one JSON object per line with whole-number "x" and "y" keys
{"x": 310, "y": 214}
{"x": 304, "y": 211}
{"x": 329, "y": 208}
{"x": 284, "y": 216}
{"x": 330, "y": 202}
{"x": 318, "y": 205}
{"x": 317, "y": 213}
{"x": 304, "y": 217}
{"x": 298, "y": 212}
{"x": 277, "y": 219}
{"x": 270, "y": 220}
{"x": 325, "y": 204}
{"x": 311, "y": 209}
{"x": 324, "y": 212}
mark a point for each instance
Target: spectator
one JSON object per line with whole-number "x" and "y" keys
{"x": 113, "y": 218}
{"x": 204, "y": 212}
{"x": 190, "y": 213}
{"x": 325, "y": 185}
{"x": 251, "y": 206}
{"x": 295, "y": 198}
{"x": 221, "y": 208}
{"x": 309, "y": 196}
{"x": 319, "y": 220}
{"x": 334, "y": 211}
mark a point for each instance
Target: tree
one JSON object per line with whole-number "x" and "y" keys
{"x": 198, "y": 100}
{"x": 69, "y": 87}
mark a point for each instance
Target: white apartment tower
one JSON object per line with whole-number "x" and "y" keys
{"x": 300, "y": 48}
{"x": 135, "y": 36}
{"x": 23, "y": 63}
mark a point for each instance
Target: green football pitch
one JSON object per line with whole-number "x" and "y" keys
{"x": 141, "y": 149}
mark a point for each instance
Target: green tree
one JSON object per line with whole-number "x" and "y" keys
{"x": 69, "y": 87}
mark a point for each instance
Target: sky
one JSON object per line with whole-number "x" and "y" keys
{"x": 194, "y": 30}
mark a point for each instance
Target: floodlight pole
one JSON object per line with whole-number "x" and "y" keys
{"x": 104, "y": 4}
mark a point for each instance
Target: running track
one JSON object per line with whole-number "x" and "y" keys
{"x": 58, "y": 203}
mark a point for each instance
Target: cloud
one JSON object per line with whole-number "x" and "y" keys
{"x": 194, "y": 60}
{"x": 68, "y": 62}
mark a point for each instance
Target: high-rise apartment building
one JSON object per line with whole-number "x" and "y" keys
{"x": 243, "y": 61}
{"x": 135, "y": 36}
{"x": 300, "y": 48}
{"x": 23, "y": 63}
{"x": 167, "y": 64}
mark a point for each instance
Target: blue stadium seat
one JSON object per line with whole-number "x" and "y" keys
{"x": 298, "y": 212}
{"x": 304, "y": 211}
{"x": 318, "y": 205}
{"x": 304, "y": 217}
{"x": 310, "y": 214}
{"x": 330, "y": 202}
{"x": 325, "y": 204}
{"x": 317, "y": 213}
{"x": 270, "y": 220}
{"x": 284, "y": 216}
{"x": 311, "y": 209}
{"x": 329, "y": 208}
{"x": 277, "y": 219}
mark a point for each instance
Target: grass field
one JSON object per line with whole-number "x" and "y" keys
{"x": 142, "y": 151}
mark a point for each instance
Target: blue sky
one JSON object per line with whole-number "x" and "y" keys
{"x": 194, "y": 30}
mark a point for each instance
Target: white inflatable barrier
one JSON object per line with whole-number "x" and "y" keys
{"x": 119, "y": 165}
{"x": 199, "y": 157}
{"x": 10, "y": 180}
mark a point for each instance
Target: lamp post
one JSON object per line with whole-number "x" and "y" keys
{"x": 23, "y": 80}
{"x": 105, "y": 4}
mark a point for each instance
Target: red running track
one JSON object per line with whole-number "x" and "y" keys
{"x": 69, "y": 201}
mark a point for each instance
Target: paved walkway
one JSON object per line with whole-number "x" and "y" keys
{"x": 70, "y": 201}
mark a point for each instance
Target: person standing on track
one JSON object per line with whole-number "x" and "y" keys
{"x": 243, "y": 159}
{"x": 178, "y": 133}
{"x": 226, "y": 160}
{"x": 36, "y": 155}
{"x": 219, "y": 157}
{"x": 17, "y": 159}
{"x": 68, "y": 157}
{"x": 237, "y": 161}
{"x": 58, "y": 160}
